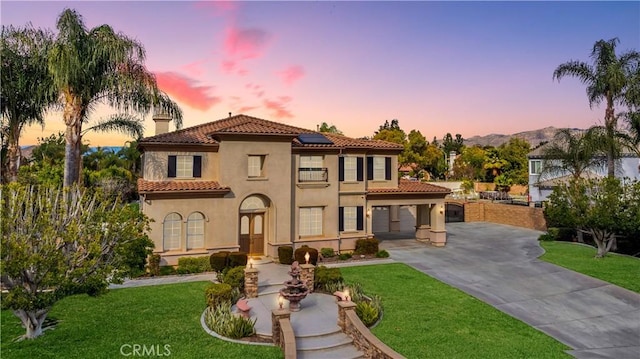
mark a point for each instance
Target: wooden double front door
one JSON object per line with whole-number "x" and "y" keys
{"x": 252, "y": 233}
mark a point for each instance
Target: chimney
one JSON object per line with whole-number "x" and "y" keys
{"x": 162, "y": 122}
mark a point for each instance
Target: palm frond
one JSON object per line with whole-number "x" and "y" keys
{"x": 121, "y": 122}
{"x": 579, "y": 69}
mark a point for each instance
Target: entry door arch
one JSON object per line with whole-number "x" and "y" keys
{"x": 253, "y": 224}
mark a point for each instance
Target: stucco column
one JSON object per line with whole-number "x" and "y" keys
{"x": 438, "y": 235}
{"x": 250, "y": 283}
{"x": 307, "y": 275}
{"x": 394, "y": 218}
{"x": 423, "y": 222}
{"x": 276, "y": 315}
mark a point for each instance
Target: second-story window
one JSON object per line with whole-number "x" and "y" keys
{"x": 535, "y": 167}
{"x": 378, "y": 168}
{"x": 255, "y": 166}
{"x": 185, "y": 166}
{"x": 350, "y": 169}
{"x": 311, "y": 169}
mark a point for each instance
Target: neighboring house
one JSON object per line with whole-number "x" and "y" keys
{"x": 541, "y": 183}
{"x": 243, "y": 183}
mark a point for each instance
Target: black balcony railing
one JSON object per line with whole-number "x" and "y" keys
{"x": 312, "y": 175}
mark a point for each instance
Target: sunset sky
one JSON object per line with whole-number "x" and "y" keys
{"x": 472, "y": 68}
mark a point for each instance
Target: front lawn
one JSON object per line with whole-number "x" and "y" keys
{"x": 109, "y": 326}
{"x": 425, "y": 318}
{"x": 614, "y": 268}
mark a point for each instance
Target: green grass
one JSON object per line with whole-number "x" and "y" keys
{"x": 98, "y": 327}
{"x": 623, "y": 271}
{"x": 425, "y": 318}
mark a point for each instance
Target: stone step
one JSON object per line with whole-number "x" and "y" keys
{"x": 347, "y": 351}
{"x": 270, "y": 289}
{"x": 322, "y": 341}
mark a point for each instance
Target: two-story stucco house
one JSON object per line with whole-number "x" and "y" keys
{"x": 243, "y": 183}
{"x": 541, "y": 183}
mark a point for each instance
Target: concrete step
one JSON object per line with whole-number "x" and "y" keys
{"x": 270, "y": 289}
{"x": 347, "y": 351}
{"x": 331, "y": 340}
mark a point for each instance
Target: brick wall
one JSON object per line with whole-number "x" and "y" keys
{"x": 519, "y": 216}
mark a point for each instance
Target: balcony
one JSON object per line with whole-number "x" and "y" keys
{"x": 312, "y": 175}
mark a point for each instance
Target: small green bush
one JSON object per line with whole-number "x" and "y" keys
{"x": 325, "y": 277}
{"x": 167, "y": 270}
{"x": 344, "y": 256}
{"x": 237, "y": 259}
{"x": 234, "y": 277}
{"x": 367, "y": 313}
{"x": 300, "y": 252}
{"x": 188, "y": 265}
{"x": 154, "y": 264}
{"x": 217, "y": 293}
{"x": 546, "y": 237}
{"x": 285, "y": 254}
{"x": 327, "y": 252}
{"x": 219, "y": 261}
{"x": 222, "y": 321}
{"x": 366, "y": 246}
{"x": 382, "y": 254}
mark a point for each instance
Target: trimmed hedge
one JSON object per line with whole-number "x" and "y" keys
{"x": 217, "y": 293}
{"x": 327, "y": 276}
{"x": 234, "y": 277}
{"x": 154, "y": 264}
{"x": 366, "y": 246}
{"x": 219, "y": 261}
{"x": 237, "y": 259}
{"x": 187, "y": 265}
{"x": 285, "y": 254}
{"x": 300, "y": 253}
{"x": 327, "y": 252}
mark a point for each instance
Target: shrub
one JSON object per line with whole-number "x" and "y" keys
{"x": 327, "y": 252}
{"x": 167, "y": 270}
{"x": 218, "y": 261}
{"x": 154, "y": 264}
{"x": 382, "y": 254}
{"x": 313, "y": 255}
{"x": 344, "y": 256}
{"x": 366, "y": 246}
{"x": 546, "y": 237}
{"x": 367, "y": 313}
{"x": 222, "y": 321}
{"x": 237, "y": 259}
{"x": 325, "y": 277}
{"x": 217, "y": 293}
{"x": 234, "y": 277}
{"x": 285, "y": 254}
{"x": 188, "y": 265}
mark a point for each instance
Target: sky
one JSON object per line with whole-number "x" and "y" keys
{"x": 472, "y": 68}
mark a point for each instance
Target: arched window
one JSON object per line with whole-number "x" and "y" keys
{"x": 195, "y": 231}
{"x": 252, "y": 203}
{"x": 172, "y": 231}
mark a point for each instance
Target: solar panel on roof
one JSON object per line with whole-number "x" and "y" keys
{"x": 313, "y": 139}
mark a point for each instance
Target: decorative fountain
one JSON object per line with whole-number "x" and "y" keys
{"x": 295, "y": 290}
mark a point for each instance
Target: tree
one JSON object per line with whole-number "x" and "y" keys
{"x": 469, "y": 165}
{"x": 95, "y": 66}
{"x": 58, "y": 242}
{"x": 449, "y": 144}
{"x": 26, "y": 87}
{"x": 608, "y": 79}
{"x": 514, "y": 154}
{"x": 46, "y": 166}
{"x": 572, "y": 152}
{"x": 324, "y": 127}
{"x": 604, "y": 208}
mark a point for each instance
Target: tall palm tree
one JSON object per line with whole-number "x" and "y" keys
{"x": 26, "y": 87}
{"x": 607, "y": 79}
{"x": 95, "y": 66}
{"x": 572, "y": 152}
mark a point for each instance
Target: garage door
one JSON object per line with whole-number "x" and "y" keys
{"x": 380, "y": 219}
{"x": 407, "y": 218}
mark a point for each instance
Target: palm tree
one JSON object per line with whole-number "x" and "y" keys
{"x": 607, "y": 80}
{"x": 571, "y": 151}
{"x": 26, "y": 87}
{"x": 95, "y": 66}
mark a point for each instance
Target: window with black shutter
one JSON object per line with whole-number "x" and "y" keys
{"x": 387, "y": 168}
{"x": 172, "y": 167}
{"x": 340, "y": 169}
{"x": 360, "y": 170}
{"x": 360, "y": 218}
{"x": 369, "y": 168}
{"x": 341, "y": 219}
{"x": 197, "y": 166}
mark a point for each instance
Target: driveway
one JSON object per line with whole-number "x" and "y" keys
{"x": 498, "y": 264}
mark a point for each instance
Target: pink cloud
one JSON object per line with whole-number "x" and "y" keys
{"x": 182, "y": 88}
{"x": 194, "y": 68}
{"x": 244, "y": 109}
{"x": 278, "y": 107}
{"x": 256, "y": 90}
{"x": 291, "y": 74}
{"x": 245, "y": 43}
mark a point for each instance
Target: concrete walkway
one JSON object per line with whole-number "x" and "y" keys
{"x": 498, "y": 264}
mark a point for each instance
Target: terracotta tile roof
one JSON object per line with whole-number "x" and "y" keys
{"x": 411, "y": 187}
{"x": 145, "y": 186}
{"x": 247, "y": 125}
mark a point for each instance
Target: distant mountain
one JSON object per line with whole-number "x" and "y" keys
{"x": 534, "y": 137}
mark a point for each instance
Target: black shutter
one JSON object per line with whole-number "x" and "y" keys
{"x": 360, "y": 218}
{"x": 172, "y": 166}
{"x": 197, "y": 166}
{"x": 369, "y": 168}
{"x": 360, "y": 165}
{"x": 340, "y": 169}
{"x": 387, "y": 168}
{"x": 341, "y": 219}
